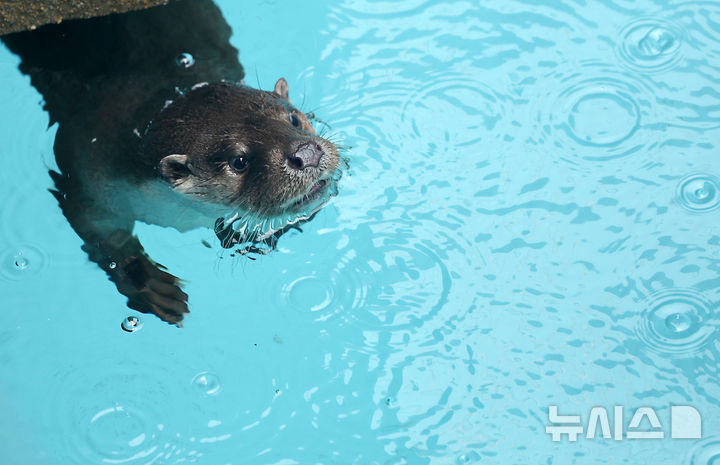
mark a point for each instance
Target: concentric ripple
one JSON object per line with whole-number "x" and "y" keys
{"x": 596, "y": 118}
{"x": 128, "y": 412}
{"x": 705, "y": 452}
{"x": 390, "y": 285}
{"x": 601, "y": 116}
{"x": 677, "y": 322}
{"x": 472, "y": 110}
{"x": 650, "y": 45}
{"x": 22, "y": 262}
{"x": 207, "y": 382}
{"x": 120, "y": 433}
{"x": 699, "y": 193}
{"x": 131, "y": 323}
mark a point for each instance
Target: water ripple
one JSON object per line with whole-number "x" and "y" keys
{"x": 704, "y": 19}
{"x": 650, "y": 45}
{"x": 677, "y": 322}
{"x": 705, "y": 452}
{"x": 474, "y": 110}
{"x": 699, "y": 193}
{"x": 22, "y": 262}
{"x": 391, "y": 285}
{"x": 128, "y": 417}
{"x": 599, "y": 114}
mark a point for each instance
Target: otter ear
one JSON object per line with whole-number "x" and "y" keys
{"x": 174, "y": 169}
{"x": 282, "y": 89}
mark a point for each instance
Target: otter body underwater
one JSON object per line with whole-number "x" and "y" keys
{"x": 156, "y": 125}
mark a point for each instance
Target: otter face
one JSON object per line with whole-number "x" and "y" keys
{"x": 242, "y": 148}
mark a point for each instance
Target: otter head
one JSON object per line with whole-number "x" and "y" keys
{"x": 244, "y": 149}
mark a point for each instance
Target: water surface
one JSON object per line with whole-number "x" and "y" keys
{"x": 530, "y": 219}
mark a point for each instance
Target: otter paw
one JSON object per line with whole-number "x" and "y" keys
{"x": 152, "y": 290}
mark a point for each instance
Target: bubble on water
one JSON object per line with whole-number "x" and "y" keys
{"x": 22, "y": 262}
{"x": 650, "y": 45}
{"x": 131, "y": 324}
{"x": 699, "y": 192}
{"x": 207, "y": 382}
{"x": 705, "y": 452}
{"x": 677, "y": 322}
{"x": 112, "y": 265}
{"x": 185, "y": 60}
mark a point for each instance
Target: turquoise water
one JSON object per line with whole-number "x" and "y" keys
{"x": 530, "y": 219}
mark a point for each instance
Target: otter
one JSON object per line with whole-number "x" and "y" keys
{"x": 156, "y": 124}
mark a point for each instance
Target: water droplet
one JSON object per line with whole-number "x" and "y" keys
{"x": 21, "y": 263}
{"x": 699, "y": 193}
{"x": 112, "y": 265}
{"x": 656, "y": 41}
{"x": 185, "y": 60}
{"x": 677, "y": 322}
{"x": 207, "y": 382}
{"x": 702, "y": 193}
{"x": 650, "y": 45}
{"x": 131, "y": 324}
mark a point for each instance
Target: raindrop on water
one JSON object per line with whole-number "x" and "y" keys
{"x": 699, "y": 193}
{"x": 651, "y": 45}
{"x": 185, "y": 60}
{"x": 131, "y": 324}
{"x": 678, "y": 322}
{"x": 702, "y": 193}
{"x": 207, "y": 382}
{"x": 21, "y": 263}
{"x": 656, "y": 42}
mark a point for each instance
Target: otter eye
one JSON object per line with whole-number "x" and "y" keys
{"x": 294, "y": 120}
{"x": 238, "y": 164}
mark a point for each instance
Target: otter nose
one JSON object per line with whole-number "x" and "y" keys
{"x": 308, "y": 154}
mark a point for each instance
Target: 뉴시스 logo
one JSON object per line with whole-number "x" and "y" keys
{"x": 685, "y": 423}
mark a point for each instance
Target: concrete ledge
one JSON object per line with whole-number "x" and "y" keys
{"x": 20, "y": 15}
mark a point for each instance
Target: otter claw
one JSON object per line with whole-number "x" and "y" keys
{"x": 151, "y": 290}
